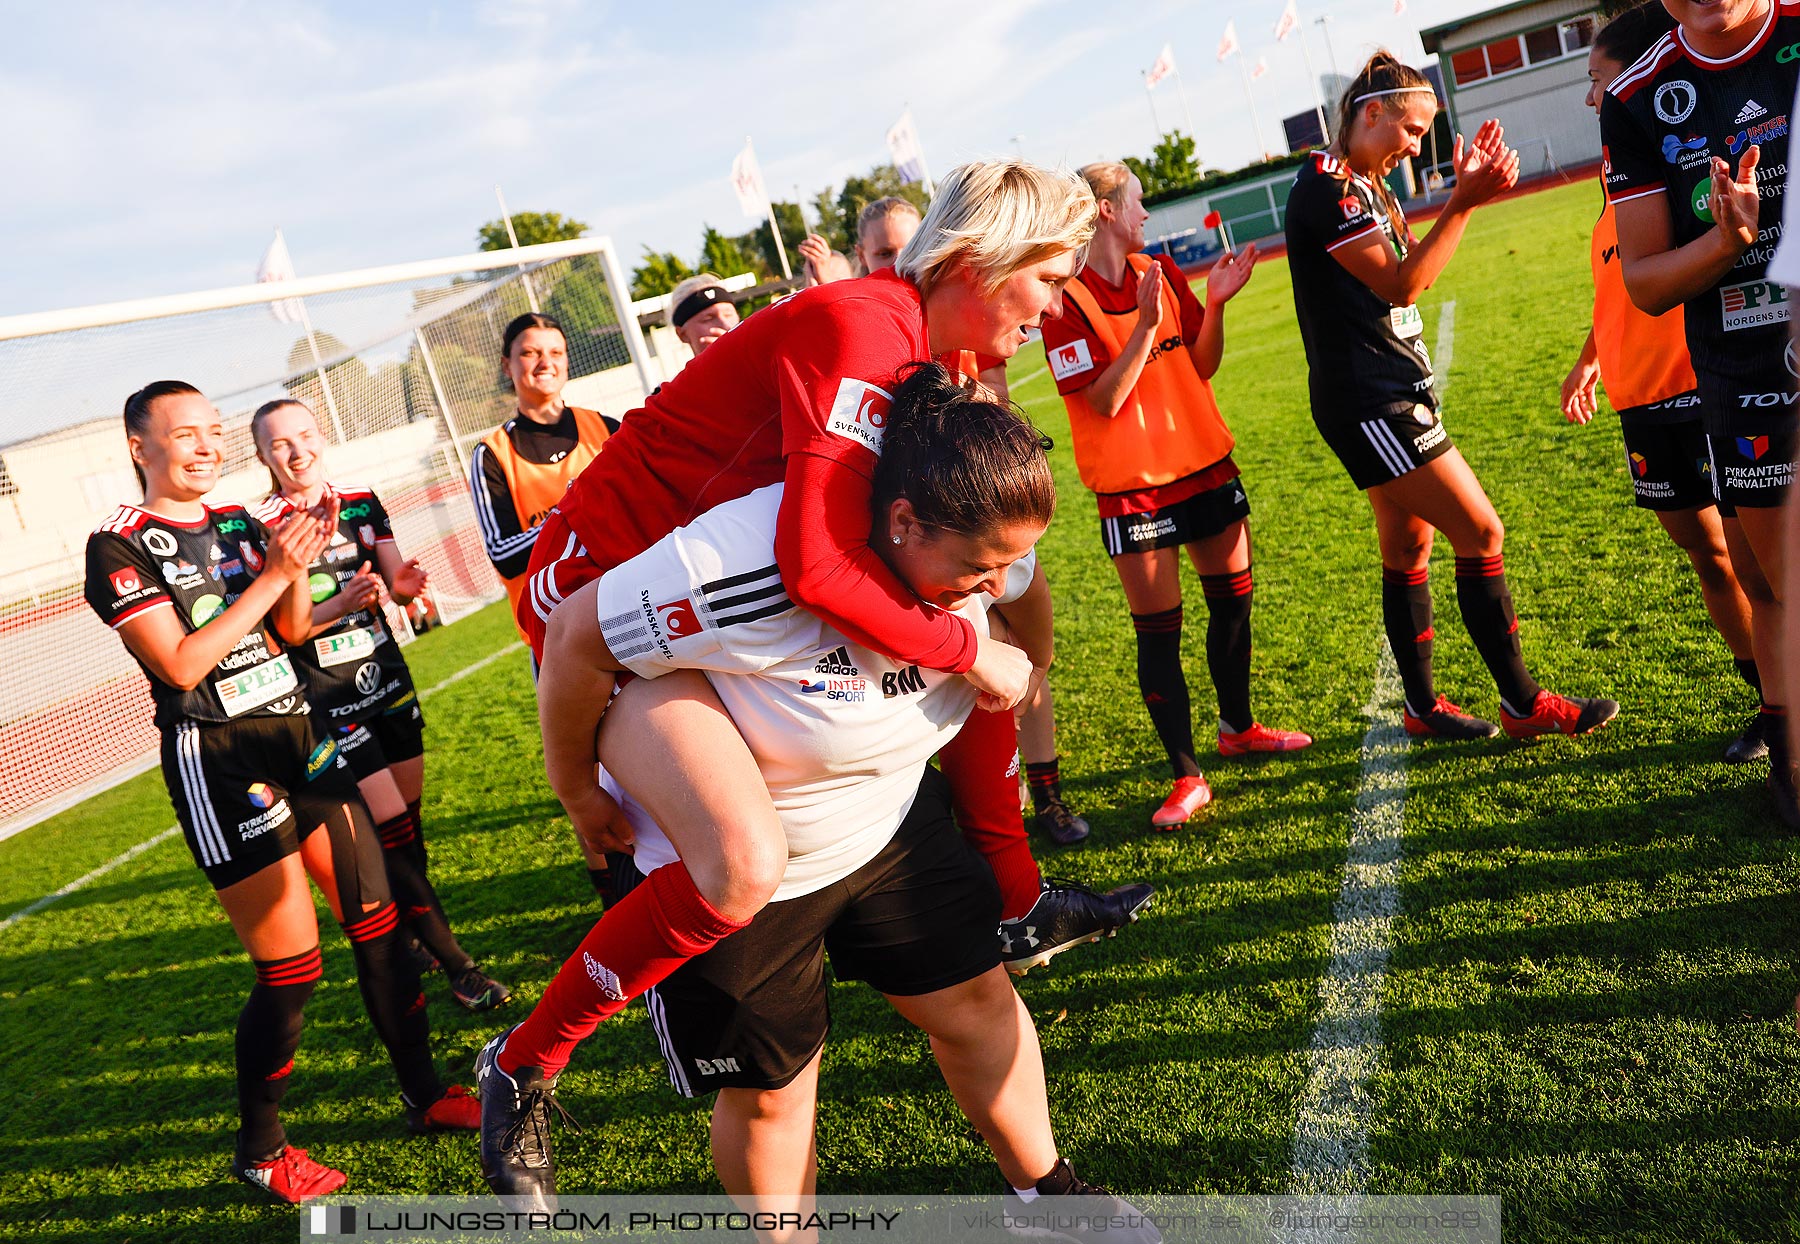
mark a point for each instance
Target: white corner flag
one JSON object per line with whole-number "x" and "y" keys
{"x": 1228, "y": 42}
{"x": 747, "y": 180}
{"x": 1260, "y": 68}
{"x": 908, "y": 155}
{"x": 1289, "y": 21}
{"x": 1164, "y": 66}
{"x": 1399, "y": 7}
{"x": 277, "y": 265}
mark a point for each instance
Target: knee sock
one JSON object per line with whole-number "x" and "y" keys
{"x": 1750, "y": 674}
{"x": 1228, "y": 645}
{"x": 1045, "y": 781}
{"x": 396, "y": 1006}
{"x": 403, "y": 851}
{"x": 268, "y": 1033}
{"x": 982, "y": 766}
{"x": 646, "y": 935}
{"x": 1406, "y": 616}
{"x": 1775, "y": 735}
{"x": 1487, "y": 611}
{"x": 1164, "y": 686}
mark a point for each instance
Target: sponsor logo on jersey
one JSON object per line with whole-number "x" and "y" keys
{"x": 1071, "y": 360}
{"x": 843, "y": 690}
{"x": 678, "y": 618}
{"x": 1790, "y": 362}
{"x": 1675, "y": 101}
{"x": 206, "y": 608}
{"x": 1753, "y": 447}
{"x": 1747, "y": 401}
{"x": 321, "y": 758}
{"x": 1752, "y": 304}
{"x": 896, "y": 683}
{"x": 1686, "y": 153}
{"x": 260, "y": 795}
{"x": 1640, "y": 465}
{"x": 322, "y": 586}
{"x": 159, "y": 542}
{"x": 1775, "y": 127}
{"x": 126, "y": 582}
{"x": 359, "y": 510}
{"x": 1684, "y": 402}
{"x": 1703, "y": 201}
{"x": 1749, "y": 112}
{"x": 227, "y": 569}
{"x": 859, "y": 413}
{"x": 604, "y": 978}
{"x": 262, "y": 822}
{"x": 1352, "y": 207}
{"x": 252, "y": 558}
{"x": 215, "y": 554}
{"x": 367, "y": 532}
{"x": 836, "y": 661}
{"x": 1788, "y": 55}
{"x": 1167, "y": 345}
{"x": 182, "y": 574}
{"x": 368, "y": 677}
{"x": 715, "y": 1066}
{"x": 230, "y": 525}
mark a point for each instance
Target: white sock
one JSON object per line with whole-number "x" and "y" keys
{"x": 1027, "y": 1195}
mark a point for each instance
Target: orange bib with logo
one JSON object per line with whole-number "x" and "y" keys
{"x": 1643, "y": 358}
{"x": 534, "y": 486}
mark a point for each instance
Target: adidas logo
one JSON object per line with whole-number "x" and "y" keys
{"x": 603, "y": 977}
{"x": 836, "y": 662}
{"x": 1750, "y": 111}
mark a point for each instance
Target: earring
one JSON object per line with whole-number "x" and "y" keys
{"x": 898, "y": 540}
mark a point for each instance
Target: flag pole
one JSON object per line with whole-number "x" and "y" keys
{"x": 1318, "y": 95}
{"x": 312, "y": 346}
{"x": 1255, "y": 121}
{"x": 787, "y": 273}
{"x": 1155, "y": 121}
{"x": 513, "y": 237}
{"x": 1181, "y": 89}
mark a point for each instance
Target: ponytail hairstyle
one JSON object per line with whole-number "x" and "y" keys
{"x": 137, "y": 411}
{"x": 969, "y": 466}
{"x": 1631, "y": 32}
{"x": 1107, "y": 179}
{"x": 256, "y": 422}
{"x": 998, "y": 216}
{"x": 1384, "y": 80}
{"x": 531, "y": 319}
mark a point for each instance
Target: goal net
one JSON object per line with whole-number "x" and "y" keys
{"x": 400, "y": 363}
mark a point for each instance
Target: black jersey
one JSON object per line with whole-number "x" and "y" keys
{"x": 1661, "y": 123}
{"x": 353, "y": 669}
{"x": 1365, "y": 357}
{"x": 138, "y": 561}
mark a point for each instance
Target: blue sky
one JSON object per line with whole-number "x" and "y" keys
{"x": 152, "y": 147}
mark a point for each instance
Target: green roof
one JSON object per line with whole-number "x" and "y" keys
{"x": 1433, "y": 38}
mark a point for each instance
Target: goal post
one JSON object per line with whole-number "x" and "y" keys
{"x": 402, "y": 365}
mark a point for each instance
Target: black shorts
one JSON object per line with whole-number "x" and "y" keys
{"x": 1669, "y": 464}
{"x": 1201, "y": 515}
{"x": 394, "y": 734}
{"x": 247, "y": 792}
{"x": 1384, "y": 447}
{"x": 1752, "y": 468}
{"x": 752, "y": 1011}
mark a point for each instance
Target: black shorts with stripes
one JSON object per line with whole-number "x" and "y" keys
{"x": 1382, "y": 447}
{"x": 395, "y": 733}
{"x": 247, "y": 792}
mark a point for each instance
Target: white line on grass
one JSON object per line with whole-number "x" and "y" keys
{"x": 1446, "y": 346}
{"x": 1331, "y": 1130}
{"x": 131, "y": 853}
{"x": 1026, "y": 379}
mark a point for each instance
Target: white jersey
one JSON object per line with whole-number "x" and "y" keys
{"x": 841, "y": 733}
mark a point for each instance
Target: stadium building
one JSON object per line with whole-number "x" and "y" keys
{"x": 1526, "y": 64}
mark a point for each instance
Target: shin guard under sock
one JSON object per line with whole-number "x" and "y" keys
{"x": 1164, "y": 686}
{"x": 1406, "y": 616}
{"x": 402, "y": 852}
{"x": 268, "y": 1033}
{"x": 1228, "y": 645}
{"x": 1750, "y": 674}
{"x": 1487, "y": 611}
{"x": 390, "y": 992}
{"x": 982, "y": 766}
{"x": 660, "y": 925}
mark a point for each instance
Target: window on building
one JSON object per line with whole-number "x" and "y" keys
{"x": 1505, "y": 56}
{"x": 1578, "y": 34}
{"x": 1545, "y": 44}
{"x": 1534, "y": 47}
{"x": 1469, "y": 66}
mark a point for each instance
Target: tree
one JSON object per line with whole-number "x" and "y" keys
{"x": 532, "y": 228}
{"x": 1171, "y": 165}
{"x": 658, "y": 274}
{"x": 839, "y": 224}
{"x": 724, "y": 256}
{"x": 793, "y": 232}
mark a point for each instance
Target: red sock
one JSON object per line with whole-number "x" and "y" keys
{"x": 982, "y": 764}
{"x": 646, "y": 935}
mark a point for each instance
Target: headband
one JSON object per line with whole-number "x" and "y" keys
{"x": 695, "y": 303}
{"x": 1399, "y": 90}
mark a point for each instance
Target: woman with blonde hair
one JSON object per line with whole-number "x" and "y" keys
{"x": 798, "y": 394}
{"x": 1133, "y": 354}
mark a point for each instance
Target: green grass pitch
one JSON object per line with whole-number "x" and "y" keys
{"x": 1587, "y": 1009}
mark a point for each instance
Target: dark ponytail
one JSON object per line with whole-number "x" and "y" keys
{"x": 137, "y": 411}
{"x": 968, "y": 465}
{"x": 1630, "y": 33}
{"x": 520, "y": 323}
{"x": 1381, "y": 74}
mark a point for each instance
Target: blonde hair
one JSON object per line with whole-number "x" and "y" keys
{"x": 678, "y": 295}
{"x": 881, "y": 209}
{"x": 999, "y": 216}
{"x": 1107, "y": 179}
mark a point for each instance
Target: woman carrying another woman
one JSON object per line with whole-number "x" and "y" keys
{"x": 208, "y": 601}
{"x": 1644, "y": 361}
{"x": 876, "y": 875}
{"x": 1133, "y": 354}
{"x": 361, "y": 691}
{"x": 1357, "y": 272}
